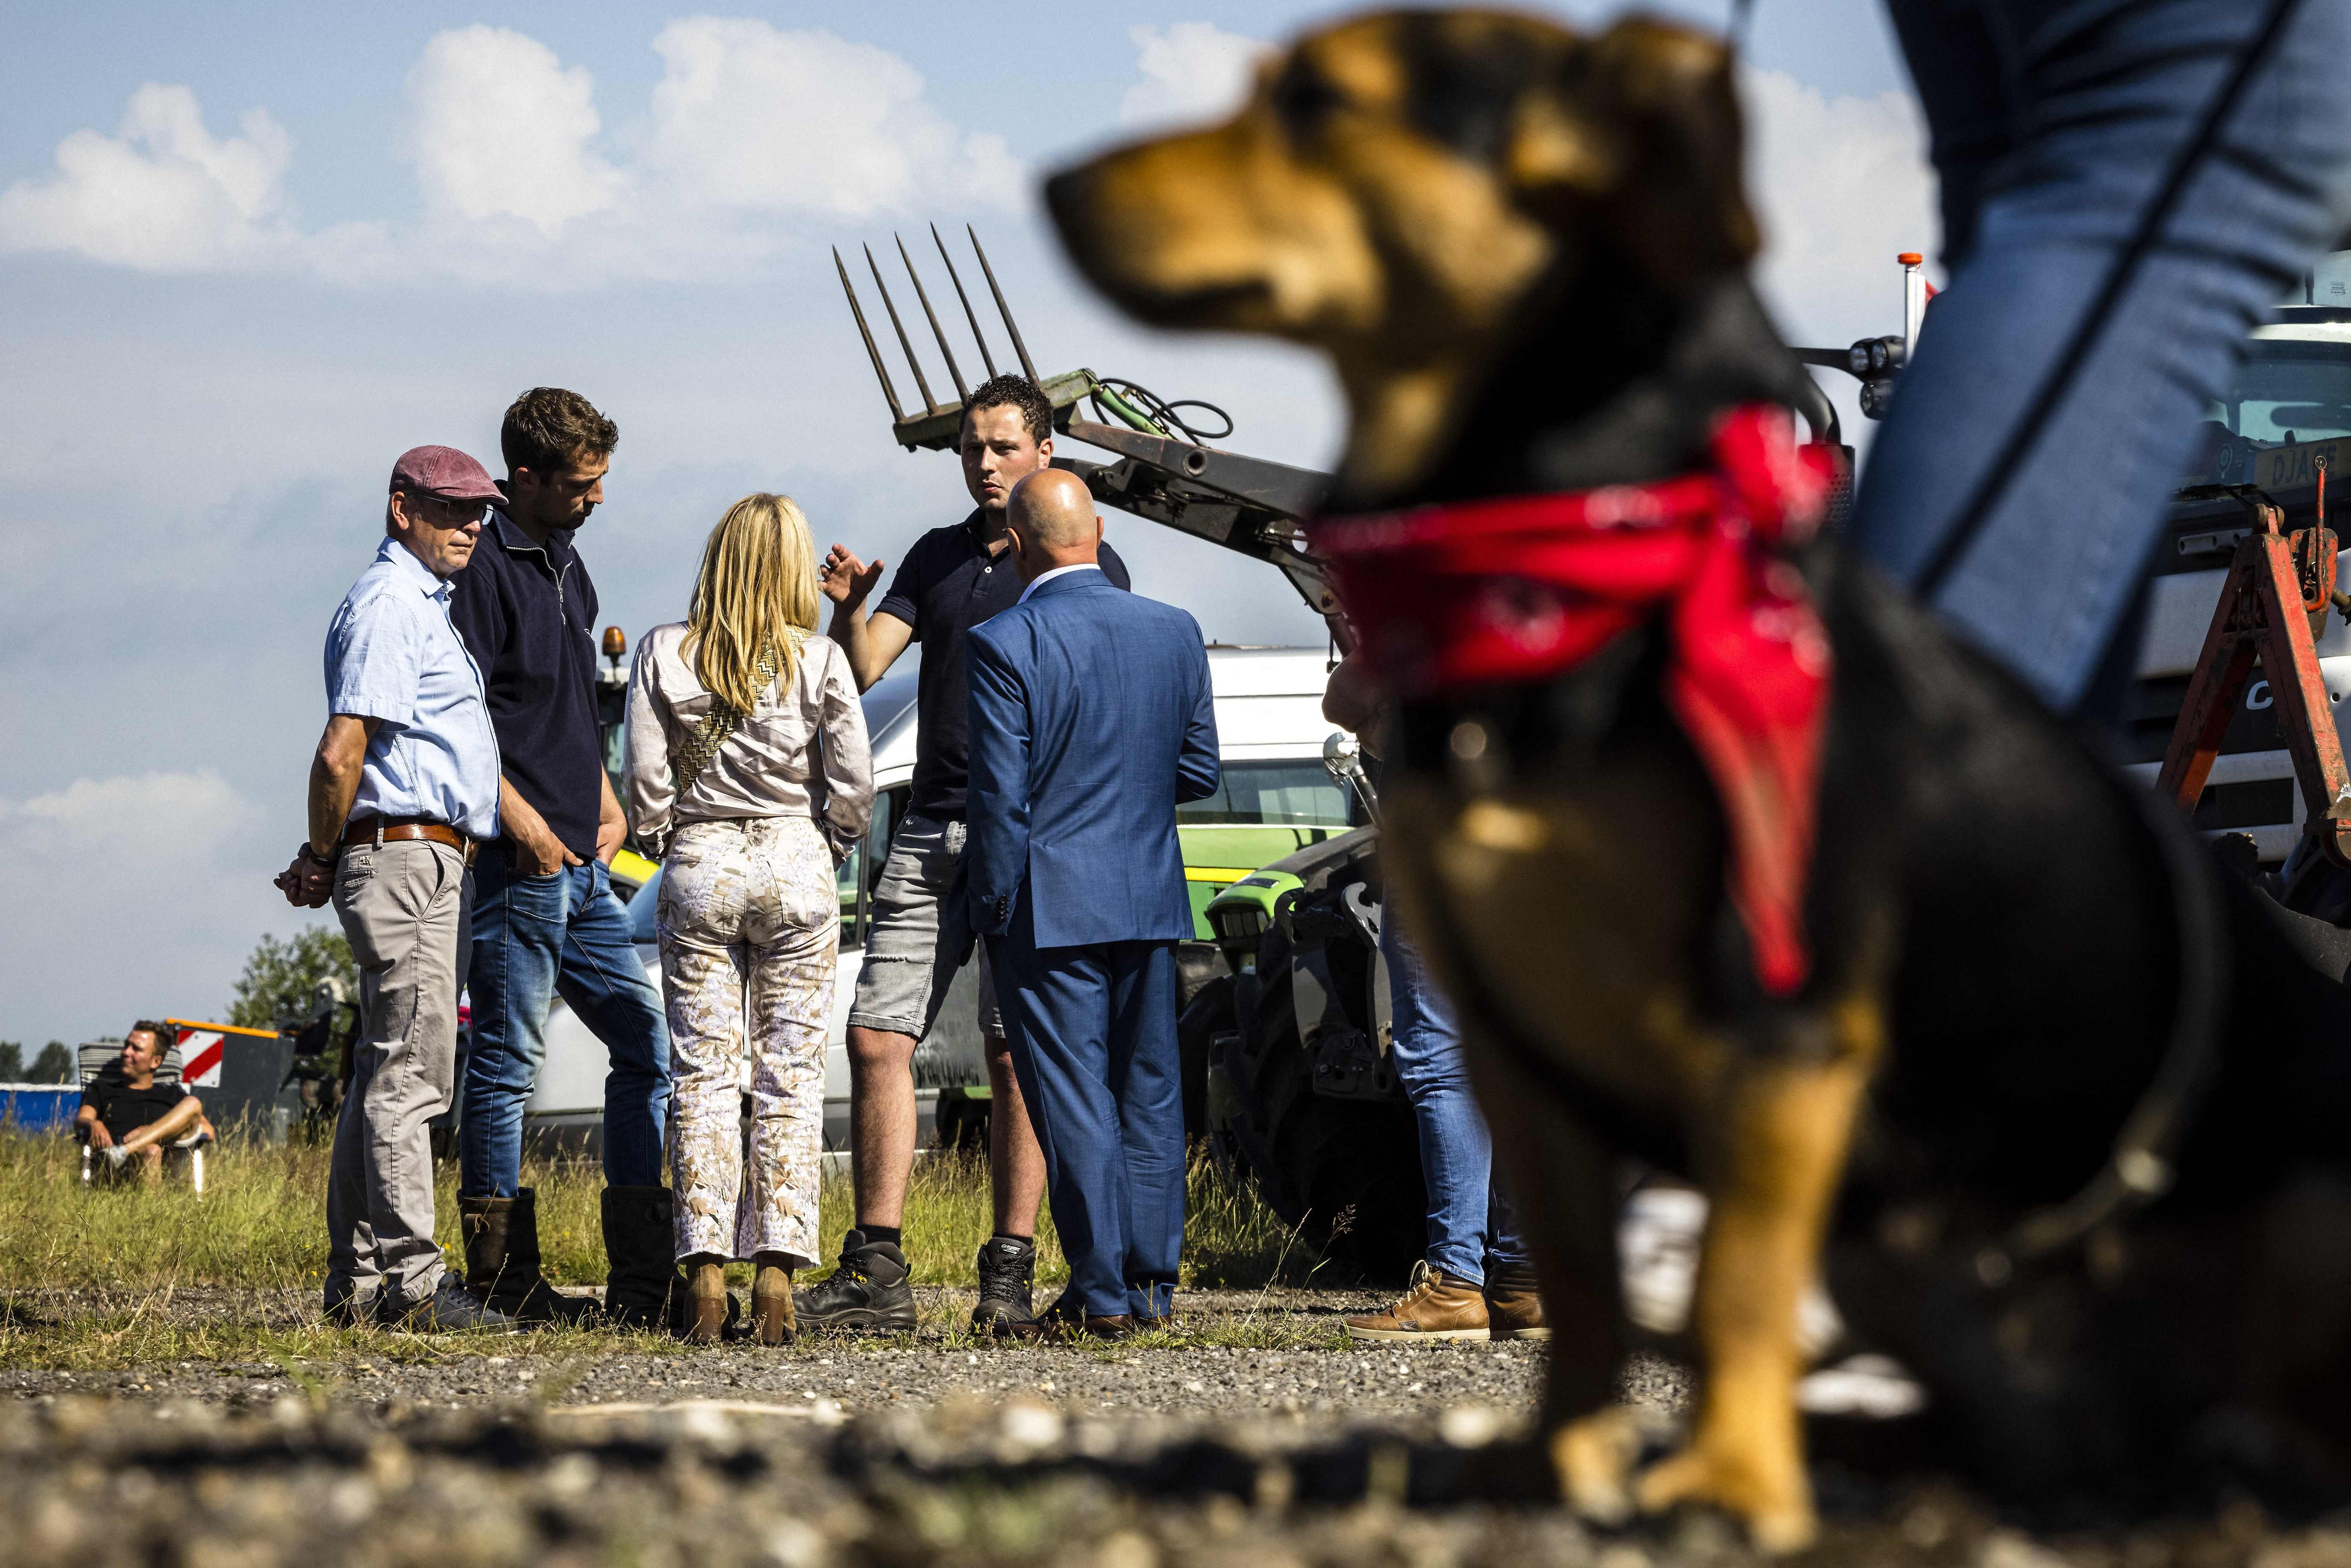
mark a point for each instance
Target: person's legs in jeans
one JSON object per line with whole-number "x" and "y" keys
{"x": 2058, "y": 125}
{"x": 601, "y": 980}
{"x": 518, "y": 938}
{"x": 1457, "y": 1153}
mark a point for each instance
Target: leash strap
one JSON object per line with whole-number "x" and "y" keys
{"x": 1522, "y": 588}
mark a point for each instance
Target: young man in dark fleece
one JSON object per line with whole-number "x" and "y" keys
{"x": 545, "y": 918}
{"x": 952, "y": 579}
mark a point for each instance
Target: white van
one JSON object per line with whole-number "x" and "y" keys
{"x": 1275, "y": 798}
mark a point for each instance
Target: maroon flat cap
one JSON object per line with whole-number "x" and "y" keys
{"x": 444, "y": 472}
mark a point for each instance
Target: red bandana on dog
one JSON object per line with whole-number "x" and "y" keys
{"x": 1526, "y": 586}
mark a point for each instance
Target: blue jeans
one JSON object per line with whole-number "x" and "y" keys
{"x": 2056, "y": 126}
{"x": 536, "y": 938}
{"x": 1472, "y": 1224}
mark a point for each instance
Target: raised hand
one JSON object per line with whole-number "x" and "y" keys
{"x": 846, "y": 581}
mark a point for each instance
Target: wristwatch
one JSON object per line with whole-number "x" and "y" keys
{"x": 310, "y": 850}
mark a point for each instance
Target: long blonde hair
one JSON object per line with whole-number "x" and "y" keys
{"x": 757, "y": 581}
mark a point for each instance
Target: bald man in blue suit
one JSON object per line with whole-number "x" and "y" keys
{"x": 1090, "y": 717}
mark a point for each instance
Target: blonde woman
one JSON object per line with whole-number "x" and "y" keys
{"x": 749, "y": 773}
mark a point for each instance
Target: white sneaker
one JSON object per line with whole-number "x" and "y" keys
{"x": 116, "y": 1154}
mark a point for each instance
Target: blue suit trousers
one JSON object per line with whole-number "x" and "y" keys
{"x": 1092, "y": 1035}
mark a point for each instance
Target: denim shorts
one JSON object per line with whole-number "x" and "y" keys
{"x": 904, "y": 980}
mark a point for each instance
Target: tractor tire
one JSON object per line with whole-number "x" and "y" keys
{"x": 1345, "y": 1173}
{"x": 1207, "y": 1013}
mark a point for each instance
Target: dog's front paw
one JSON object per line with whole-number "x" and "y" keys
{"x": 1593, "y": 1457}
{"x": 1770, "y": 1495}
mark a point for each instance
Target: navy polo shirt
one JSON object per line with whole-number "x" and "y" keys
{"x": 528, "y": 613}
{"x": 946, "y": 584}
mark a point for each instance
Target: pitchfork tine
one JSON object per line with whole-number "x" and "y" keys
{"x": 985, "y": 358}
{"x": 955, "y": 372}
{"x": 1019, "y": 348}
{"x": 921, "y": 385}
{"x": 897, "y": 414}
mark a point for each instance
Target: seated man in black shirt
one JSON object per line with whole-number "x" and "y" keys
{"x": 126, "y": 1115}
{"x": 951, "y": 579}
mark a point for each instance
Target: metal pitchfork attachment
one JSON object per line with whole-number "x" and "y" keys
{"x": 1164, "y": 473}
{"x": 2273, "y": 607}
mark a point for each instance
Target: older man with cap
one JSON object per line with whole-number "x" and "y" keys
{"x": 403, "y": 785}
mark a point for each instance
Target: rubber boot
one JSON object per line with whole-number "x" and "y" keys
{"x": 771, "y": 1298}
{"x": 705, "y": 1283}
{"x": 644, "y": 1289}
{"x": 502, "y": 1266}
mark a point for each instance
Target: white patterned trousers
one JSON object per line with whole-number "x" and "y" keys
{"x": 749, "y": 920}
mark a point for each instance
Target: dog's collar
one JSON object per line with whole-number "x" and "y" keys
{"x": 1454, "y": 596}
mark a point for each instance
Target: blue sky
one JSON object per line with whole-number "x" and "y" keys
{"x": 250, "y": 253}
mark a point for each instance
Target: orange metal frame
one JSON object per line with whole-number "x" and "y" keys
{"x": 2273, "y": 607}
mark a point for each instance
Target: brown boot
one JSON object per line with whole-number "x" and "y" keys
{"x": 1513, "y": 1310}
{"x": 502, "y": 1267}
{"x": 706, "y": 1295}
{"x": 1434, "y": 1307}
{"x": 771, "y": 1298}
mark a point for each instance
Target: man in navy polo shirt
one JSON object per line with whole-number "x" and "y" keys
{"x": 545, "y": 920}
{"x": 951, "y": 579}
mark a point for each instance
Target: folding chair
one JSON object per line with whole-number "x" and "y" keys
{"x": 97, "y": 1056}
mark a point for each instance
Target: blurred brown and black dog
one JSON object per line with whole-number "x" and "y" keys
{"x": 1525, "y": 251}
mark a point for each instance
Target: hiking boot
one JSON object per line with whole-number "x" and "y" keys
{"x": 867, "y": 1293}
{"x": 1008, "y": 1282}
{"x": 451, "y": 1309}
{"x": 502, "y": 1260}
{"x": 1513, "y": 1310}
{"x": 644, "y": 1289}
{"x": 1065, "y": 1319}
{"x": 1432, "y": 1307}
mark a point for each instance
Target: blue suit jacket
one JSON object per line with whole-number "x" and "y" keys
{"x": 1090, "y": 717}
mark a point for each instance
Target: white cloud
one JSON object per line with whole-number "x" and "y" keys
{"x": 163, "y": 195}
{"x": 137, "y": 894}
{"x": 1844, "y": 186}
{"x": 751, "y": 130}
{"x": 499, "y": 130}
{"x": 1191, "y": 70}
{"x": 749, "y": 118}
{"x": 130, "y": 820}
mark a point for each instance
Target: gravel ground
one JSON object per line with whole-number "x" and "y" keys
{"x": 608, "y": 1451}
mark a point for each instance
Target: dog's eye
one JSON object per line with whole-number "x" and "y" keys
{"x": 1304, "y": 96}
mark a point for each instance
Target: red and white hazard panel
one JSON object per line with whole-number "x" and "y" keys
{"x": 200, "y": 1057}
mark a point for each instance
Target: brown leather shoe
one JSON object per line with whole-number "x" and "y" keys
{"x": 1433, "y": 1307}
{"x": 1064, "y": 1320}
{"x": 707, "y": 1293}
{"x": 1513, "y": 1310}
{"x": 771, "y": 1298}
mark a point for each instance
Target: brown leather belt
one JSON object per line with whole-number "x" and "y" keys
{"x": 391, "y": 829}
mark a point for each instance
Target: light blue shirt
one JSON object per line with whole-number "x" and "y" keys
{"x": 392, "y": 656}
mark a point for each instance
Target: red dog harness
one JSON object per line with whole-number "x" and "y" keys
{"x": 1522, "y": 588}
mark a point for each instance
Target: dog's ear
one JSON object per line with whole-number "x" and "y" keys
{"x": 1639, "y": 131}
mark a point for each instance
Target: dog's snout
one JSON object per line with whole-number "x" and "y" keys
{"x": 1066, "y": 196}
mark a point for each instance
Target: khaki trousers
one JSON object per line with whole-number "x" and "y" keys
{"x": 405, "y": 906}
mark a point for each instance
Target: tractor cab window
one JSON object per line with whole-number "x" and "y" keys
{"x": 2287, "y": 393}
{"x": 1289, "y": 793}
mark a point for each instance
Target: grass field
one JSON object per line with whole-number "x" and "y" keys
{"x": 261, "y": 1226}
